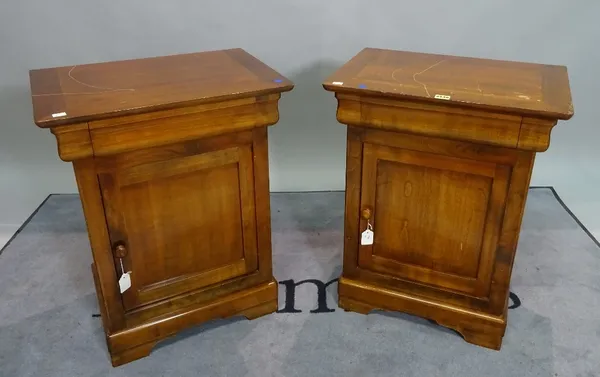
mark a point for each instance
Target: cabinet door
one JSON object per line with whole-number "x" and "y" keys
{"x": 185, "y": 216}
{"x": 436, "y": 218}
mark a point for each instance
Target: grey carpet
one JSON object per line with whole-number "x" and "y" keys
{"x": 48, "y": 327}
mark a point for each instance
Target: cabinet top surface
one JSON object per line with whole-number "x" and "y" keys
{"x": 515, "y": 87}
{"x": 72, "y": 94}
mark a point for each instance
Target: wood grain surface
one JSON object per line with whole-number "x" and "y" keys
{"x": 505, "y": 86}
{"x": 114, "y": 89}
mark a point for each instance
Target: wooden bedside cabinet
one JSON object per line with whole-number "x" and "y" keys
{"x": 439, "y": 155}
{"x": 170, "y": 156}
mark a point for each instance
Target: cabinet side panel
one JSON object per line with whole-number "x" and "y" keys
{"x": 262, "y": 201}
{"x": 354, "y": 155}
{"x": 248, "y": 209}
{"x": 511, "y": 226}
{"x": 93, "y": 209}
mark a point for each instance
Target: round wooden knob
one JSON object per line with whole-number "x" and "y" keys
{"x": 120, "y": 251}
{"x": 366, "y": 213}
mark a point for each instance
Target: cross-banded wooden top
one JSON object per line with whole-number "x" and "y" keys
{"x": 513, "y": 87}
{"x": 79, "y": 93}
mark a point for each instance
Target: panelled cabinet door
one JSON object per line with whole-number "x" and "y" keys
{"x": 436, "y": 219}
{"x": 186, "y": 219}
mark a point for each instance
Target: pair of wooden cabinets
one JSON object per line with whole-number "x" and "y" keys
{"x": 170, "y": 156}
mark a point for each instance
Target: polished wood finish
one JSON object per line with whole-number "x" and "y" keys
{"x": 73, "y": 142}
{"x": 440, "y": 151}
{"x": 493, "y": 85}
{"x": 115, "y": 89}
{"x": 173, "y": 178}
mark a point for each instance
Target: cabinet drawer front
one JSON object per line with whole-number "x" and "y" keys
{"x": 186, "y": 217}
{"x": 110, "y": 137}
{"x": 436, "y": 218}
{"x": 429, "y": 120}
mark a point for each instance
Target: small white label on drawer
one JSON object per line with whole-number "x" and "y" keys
{"x": 125, "y": 282}
{"x": 367, "y": 237}
{"x": 338, "y": 83}
{"x": 58, "y": 115}
{"x": 441, "y": 96}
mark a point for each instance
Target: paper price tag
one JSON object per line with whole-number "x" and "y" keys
{"x": 367, "y": 237}
{"x": 125, "y": 282}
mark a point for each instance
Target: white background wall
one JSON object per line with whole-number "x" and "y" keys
{"x": 305, "y": 41}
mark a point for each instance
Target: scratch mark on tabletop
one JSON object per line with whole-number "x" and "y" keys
{"x": 394, "y": 73}
{"x": 423, "y": 71}
{"x": 102, "y": 89}
{"x": 479, "y": 88}
{"x": 93, "y": 86}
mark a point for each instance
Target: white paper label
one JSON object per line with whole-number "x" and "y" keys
{"x": 337, "y": 83}
{"x": 441, "y": 96}
{"x": 367, "y": 237}
{"x": 125, "y": 282}
{"x": 58, "y": 115}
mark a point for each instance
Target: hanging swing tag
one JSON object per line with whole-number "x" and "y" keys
{"x": 367, "y": 237}
{"x": 125, "y": 282}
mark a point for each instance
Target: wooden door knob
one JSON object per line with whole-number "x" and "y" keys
{"x": 120, "y": 251}
{"x": 366, "y": 213}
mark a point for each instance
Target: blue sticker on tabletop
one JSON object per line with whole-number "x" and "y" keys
{"x": 362, "y": 86}
{"x": 278, "y": 80}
